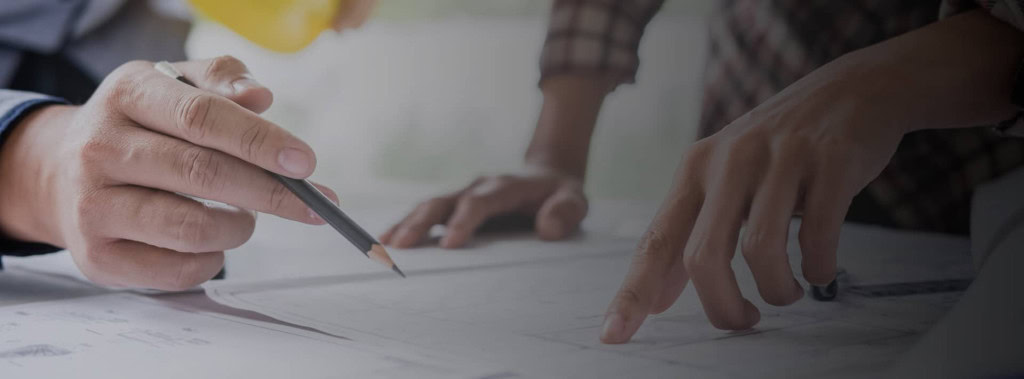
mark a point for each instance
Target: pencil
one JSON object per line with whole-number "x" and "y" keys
{"x": 319, "y": 203}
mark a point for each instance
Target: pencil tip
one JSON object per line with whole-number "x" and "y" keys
{"x": 395, "y": 269}
{"x": 379, "y": 255}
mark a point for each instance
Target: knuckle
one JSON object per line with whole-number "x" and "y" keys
{"x": 223, "y": 63}
{"x": 194, "y": 115}
{"x": 655, "y": 243}
{"x": 697, "y": 157}
{"x": 656, "y": 248}
{"x": 430, "y": 204}
{"x": 698, "y": 265}
{"x": 473, "y": 201}
{"x": 253, "y": 140}
{"x": 95, "y": 153}
{"x": 795, "y": 152}
{"x": 743, "y": 152}
{"x": 194, "y": 227}
{"x": 277, "y": 198}
{"x": 795, "y": 143}
{"x": 121, "y": 85}
{"x": 436, "y": 201}
{"x": 134, "y": 66}
{"x": 89, "y": 212}
{"x": 424, "y": 206}
{"x": 628, "y": 297}
{"x": 695, "y": 165}
{"x": 835, "y": 145}
{"x": 757, "y": 241}
{"x": 200, "y": 169}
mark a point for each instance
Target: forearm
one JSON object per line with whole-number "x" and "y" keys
{"x": 958, "y": 72}
{"x": 575, "y": 81}
{"x": 561, "y": 140}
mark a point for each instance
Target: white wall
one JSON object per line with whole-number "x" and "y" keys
{"x": 437, "y": 95}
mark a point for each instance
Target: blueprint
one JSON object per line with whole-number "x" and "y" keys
{"x": 542, "y": 315}
{"x": 131, "y": 336}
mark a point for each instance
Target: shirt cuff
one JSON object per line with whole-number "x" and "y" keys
{"x": 14, "y": 105}
{"x": 596, "y": 37}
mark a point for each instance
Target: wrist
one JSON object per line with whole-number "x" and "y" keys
{"x": 27, "y": 210}
{"x": 561, "y": 141}
{"x": 955, "y": 73}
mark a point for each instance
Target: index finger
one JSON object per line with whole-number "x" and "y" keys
{"x": 650, "y": 279}
{"x": 165, "y": 105}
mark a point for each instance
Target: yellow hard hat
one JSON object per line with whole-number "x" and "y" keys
{"x": 284, "y": 25}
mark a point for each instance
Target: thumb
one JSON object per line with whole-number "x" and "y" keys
{"x": 561, "y": 213}
{"x": 228, "y": 77}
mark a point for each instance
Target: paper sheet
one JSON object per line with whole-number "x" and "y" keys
{"x": 18, "y": 286}
{"x": 130, "y": 336}
{"x": 542, "y": 316}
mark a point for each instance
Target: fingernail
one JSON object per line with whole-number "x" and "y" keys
{"x": 315, "y": 217}
{"x": 295, "y": 161}
{"x": 614, "y": 325}
{"x": 244, "y": 84}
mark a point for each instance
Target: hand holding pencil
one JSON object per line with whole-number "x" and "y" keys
{"x": 318, "y": 203}
{"x": 112, "y": 180}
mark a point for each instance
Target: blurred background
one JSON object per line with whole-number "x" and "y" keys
{"x": 430, "y": 94}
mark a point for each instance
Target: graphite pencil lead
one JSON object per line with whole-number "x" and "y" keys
{"x": 395, "y": 269}
{"x": 379, "y": 255}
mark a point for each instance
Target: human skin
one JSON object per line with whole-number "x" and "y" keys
{"x": 549, "y": 187}
{"x": 107, "y": 180}
{"x": 808, "y": 150}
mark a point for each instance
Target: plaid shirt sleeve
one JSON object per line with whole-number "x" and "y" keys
{"x": 596, "y": 36}
{"x": 1009, "y": 11}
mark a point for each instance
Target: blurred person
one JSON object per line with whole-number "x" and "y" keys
{"x": 98, "y": 149}
{"x": 832, "y": 110}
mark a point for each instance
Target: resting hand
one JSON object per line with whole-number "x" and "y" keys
{"x": 555, "y": 200}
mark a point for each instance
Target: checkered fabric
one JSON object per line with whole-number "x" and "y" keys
{"x": 758, "y": 47}
{"x": 596, "y": 36}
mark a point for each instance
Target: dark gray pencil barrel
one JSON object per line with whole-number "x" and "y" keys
{"x": 324, "y": 207}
